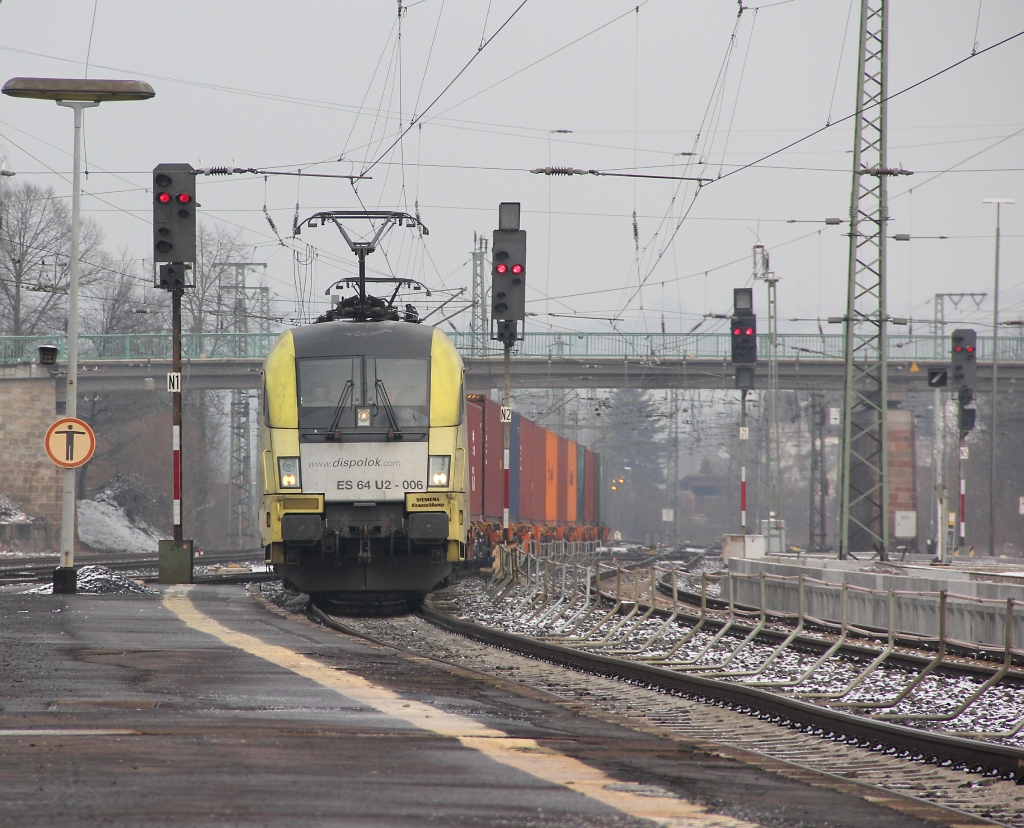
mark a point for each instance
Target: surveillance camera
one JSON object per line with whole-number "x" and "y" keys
{"x": 48, "y": 354}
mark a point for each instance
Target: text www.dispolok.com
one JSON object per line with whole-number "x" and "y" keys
{"x": 361, "y": 463}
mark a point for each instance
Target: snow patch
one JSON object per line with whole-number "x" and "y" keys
{"x": 9, "y": 512}
{"x": 106, "y": 528}
{"x": 98, "y": 580}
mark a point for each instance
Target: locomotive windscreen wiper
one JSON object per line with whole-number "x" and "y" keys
{"x": 343, "y": 402}
{"x": 383, "y": 398}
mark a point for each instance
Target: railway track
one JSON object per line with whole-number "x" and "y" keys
{"x": 890, "y": 770}
{"x": 39, "y": 570}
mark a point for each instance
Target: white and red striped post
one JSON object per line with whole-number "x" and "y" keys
{"x": 743, "y": 498}
{"x": 963, "y": 506}
{"x": 744, "y": 434}
{"x": 176, "y": 450}
{"x": 176, "y": 411}
{"x": 506, "y": 427}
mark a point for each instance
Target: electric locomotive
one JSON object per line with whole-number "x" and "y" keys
{"x": 363, "y": 448}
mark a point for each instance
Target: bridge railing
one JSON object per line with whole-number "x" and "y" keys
{"x": 141, "y": 346}
{"x": 652, "y": 346}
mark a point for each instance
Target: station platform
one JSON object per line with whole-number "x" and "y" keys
{"x": 198, "y": 706}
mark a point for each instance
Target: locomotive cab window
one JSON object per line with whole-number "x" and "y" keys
{"x": 371, "y": 394}
{"x": 330, "y": 391}
{"x": 401, "y": 383}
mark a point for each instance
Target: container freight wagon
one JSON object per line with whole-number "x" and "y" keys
{"x": 554, "y": 484}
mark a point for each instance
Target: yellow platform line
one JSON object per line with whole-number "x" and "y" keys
{"x": 521, "y": 754}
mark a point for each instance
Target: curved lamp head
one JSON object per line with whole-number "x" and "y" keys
{"x": 82, "y": 89}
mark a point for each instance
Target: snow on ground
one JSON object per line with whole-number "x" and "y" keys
{"x": 98, "y": 580}
{"x": 106, "y": 528}
{"x": 9, "y": 512}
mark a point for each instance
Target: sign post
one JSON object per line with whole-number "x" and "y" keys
{"x": 69, "y": 443}
{"x": 174, "y": 244}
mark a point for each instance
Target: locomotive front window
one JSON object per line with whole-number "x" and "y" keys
{"x": 330, "y": 390}
{"x": 405, "y": 381}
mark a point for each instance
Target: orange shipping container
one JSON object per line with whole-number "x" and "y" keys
{"x": 550, "y": 477}
{"x": 562, "y": 481}
{"x": 571, "y": 495}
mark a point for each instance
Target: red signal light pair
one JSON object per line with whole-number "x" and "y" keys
{"x": 504, "y": 268}
{"x": 166, "y": 198}
{"x": 960, "y": 348}
{"x": 738, "y": 331}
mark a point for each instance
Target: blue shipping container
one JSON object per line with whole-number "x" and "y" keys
{"x": 513, "y": 472}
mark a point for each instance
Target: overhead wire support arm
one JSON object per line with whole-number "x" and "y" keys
{"x": 574, "y": 171}
{"x": 255, "y": 171}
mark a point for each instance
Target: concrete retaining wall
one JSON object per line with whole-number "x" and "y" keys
{"x": 28, "y": 402}
{"x": 916, "y": 601}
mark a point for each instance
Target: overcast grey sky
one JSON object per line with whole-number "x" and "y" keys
{"x": 326, "y": 87}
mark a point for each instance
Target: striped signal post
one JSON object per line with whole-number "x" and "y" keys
{"x": 963, "y": 507}
{"x": 962, "y": 517}
{"x": 174, "y": 386}
{"x": 174, "y": 246}
{"x": 508, "y": 309}
{"x": 744, "y": 436}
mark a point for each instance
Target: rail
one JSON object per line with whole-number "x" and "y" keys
{"x": 653, "y": 346}
{"x": 638, "y": 614}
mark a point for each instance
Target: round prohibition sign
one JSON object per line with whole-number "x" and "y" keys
{"x": 70, "y": 442}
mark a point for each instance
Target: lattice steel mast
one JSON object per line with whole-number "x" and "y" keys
{"x": 863, "y": 486}
{"x": 241, "y": 527}
{"x": 772, "y": 446}
{"x": 479, "y": 327}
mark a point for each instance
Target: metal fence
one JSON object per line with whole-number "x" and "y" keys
{"x": 550, "y": 345}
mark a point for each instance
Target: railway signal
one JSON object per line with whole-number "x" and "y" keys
{"x": 174, "y": 247}
{"x": 508, "y": 309}
{"x": 174, "y": 213}
{"x": 965, "y": 363}
{"x": 744, "y": 339}
{"x": 743, "y": 335}
{"x": 172, "y": 276}
{"x": 508, "y": 268}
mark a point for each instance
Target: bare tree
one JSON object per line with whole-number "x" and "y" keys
{"x": 117, "y": 302}
{"x": 208, "y": 307}
{"x": 35, "y": 248}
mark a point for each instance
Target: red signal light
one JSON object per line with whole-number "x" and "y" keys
{"x": 501, "y": 268}
{"x": 970, "y": 349}
{"x": 517, "y": 269}
{"x": 749, "y": 332}
{"x": 737, "y": 332}
{"x": 184, "y": 198}
{"x": 163, "y": 198}
{"x": 958, "y": 348}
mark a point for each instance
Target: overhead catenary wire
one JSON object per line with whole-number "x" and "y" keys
{"x": 417, "y": 118}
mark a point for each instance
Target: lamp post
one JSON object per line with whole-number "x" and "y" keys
{"x": 78, "y": 95}
{"x": 999, "y": 202}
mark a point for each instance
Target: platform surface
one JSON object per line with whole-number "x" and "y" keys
{"x": 198, "y": 707}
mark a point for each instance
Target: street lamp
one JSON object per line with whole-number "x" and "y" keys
{"x": 999, "y": 202}
{"x": 78, "y": 94}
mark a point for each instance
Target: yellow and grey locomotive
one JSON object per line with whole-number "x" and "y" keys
{"x": 363, "y": 448}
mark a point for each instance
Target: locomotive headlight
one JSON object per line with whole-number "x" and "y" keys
{"x": 289, "y": 472}
{"x": 363, "y": 416}
{"x": 438, "y": 468}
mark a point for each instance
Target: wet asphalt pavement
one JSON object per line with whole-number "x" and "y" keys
{"x": 199, "y": 707}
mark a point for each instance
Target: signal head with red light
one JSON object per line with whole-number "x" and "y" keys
{"x": 744, "y": 339}
{"x": 174, "y": 213}
{"x": 508, "y": 282}
{"x": 964, "y": 363}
